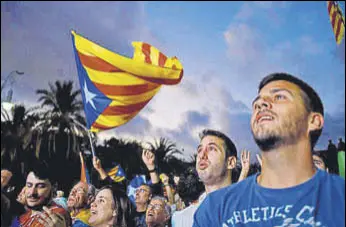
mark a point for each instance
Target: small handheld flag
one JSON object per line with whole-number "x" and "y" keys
{"x": 116, "y": 173}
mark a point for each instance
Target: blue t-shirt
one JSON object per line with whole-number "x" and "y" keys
{"x": 318, "y": 202}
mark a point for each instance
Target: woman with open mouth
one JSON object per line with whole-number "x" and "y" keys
{"x": 111, "y": 208}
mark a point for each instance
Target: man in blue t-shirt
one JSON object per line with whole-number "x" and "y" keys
{"x": 286, "y": 122}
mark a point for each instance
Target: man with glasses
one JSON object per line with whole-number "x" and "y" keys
{"x": 145, "y": 192}
{"x": 143, "y": 196}
{"x": 158, "y": 212}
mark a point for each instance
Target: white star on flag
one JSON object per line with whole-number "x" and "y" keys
{"x": 89, "y": 96}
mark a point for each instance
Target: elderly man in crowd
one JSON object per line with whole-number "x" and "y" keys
{"x": 158, "y": 212}
{"x": 78, "y": 203}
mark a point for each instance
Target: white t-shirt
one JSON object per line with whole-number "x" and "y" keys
{"x": 184, "y": 218}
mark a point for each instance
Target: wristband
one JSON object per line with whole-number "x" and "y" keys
{"x": 153, "y": 170}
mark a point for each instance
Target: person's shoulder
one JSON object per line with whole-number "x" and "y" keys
{"x": 214, "y": 202}
{"x": 234, "y": 189}
{"x": 331, "y": 178}
{"x": 186, "y": 210}
{"x": 332, "y": 184}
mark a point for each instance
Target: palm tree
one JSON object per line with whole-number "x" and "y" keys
{"x": 166, "y": 157}
{"x": 17, "y": 135}
{"x": 62, "y": 119}
{"x": 124, "y": 152}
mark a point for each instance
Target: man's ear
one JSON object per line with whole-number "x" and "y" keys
{"x": 114, "y": 213}
{"x": 316, "y": 121}
{"x": 231, "y": 162}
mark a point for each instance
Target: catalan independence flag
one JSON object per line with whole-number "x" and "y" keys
{"x": 337, "y": 20}
{"x": 115, "y": 88}
{"x": 116, "y": 173}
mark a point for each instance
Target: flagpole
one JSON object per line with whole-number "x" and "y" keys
{"x": 89, "y": 135}
{"x": 91, "y": 144}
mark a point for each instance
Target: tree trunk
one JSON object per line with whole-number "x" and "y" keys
{"x": 49, "y": 144}
{"x": 68, "y": 145}
{"x": 38, "y": 145}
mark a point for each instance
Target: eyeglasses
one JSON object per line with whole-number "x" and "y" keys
{"x": 141, "y": 190}
{"x": 155, "y": 206}
{"x": 317, "y": 162}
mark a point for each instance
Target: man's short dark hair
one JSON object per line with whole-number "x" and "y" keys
{"x": 311, "y": 99}
{"x": 42, "y": 171}
{"x": 229, "y": 146}
{"x": 190, "y": 187}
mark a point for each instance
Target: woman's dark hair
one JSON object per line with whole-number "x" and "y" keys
{"x": 123, "y": 207}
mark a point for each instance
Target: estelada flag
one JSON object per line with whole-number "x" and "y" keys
{"x": 115, "y": 88}
{"x": 116, "y": 173}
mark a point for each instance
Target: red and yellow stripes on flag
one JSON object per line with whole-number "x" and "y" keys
{"x": 113, "y": 174}
{"x": 337, "y": 20}
{"x": 129, "y": 83}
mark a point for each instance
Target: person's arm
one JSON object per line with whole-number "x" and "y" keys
{"x": 148, "y": 158}
{"x": 165, "y": 182}
{"x": 104, "y": 178}
{"x": 245, "y": 165}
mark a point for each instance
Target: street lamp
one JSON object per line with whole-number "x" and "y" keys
{"x": 10, "y": 76}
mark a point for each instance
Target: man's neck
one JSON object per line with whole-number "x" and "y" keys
{"x": 287, "y": 166}
{"x": 141, "y": 207}
{"x": 223, "y": 182}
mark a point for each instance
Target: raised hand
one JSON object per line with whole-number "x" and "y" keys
{"x": 164, "y": 179}
{"x": 245, "y": 164}
{"x": 148, "y": 158}
{"x": 97, "y": 164}
{"x": 245, "y": 159}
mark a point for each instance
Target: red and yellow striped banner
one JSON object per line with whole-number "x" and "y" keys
{"x": 337, "y": 20}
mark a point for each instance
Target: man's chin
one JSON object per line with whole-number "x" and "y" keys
{"x": 35, "y": 207}
{"x": 267, "y": 143}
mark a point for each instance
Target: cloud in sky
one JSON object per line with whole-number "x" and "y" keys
{"x": 224, "y": 59}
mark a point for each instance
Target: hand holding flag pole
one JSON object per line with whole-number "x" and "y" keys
{"x": 89, "y": 135}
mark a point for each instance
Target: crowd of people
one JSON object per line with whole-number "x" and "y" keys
{"x": 293, "y": 188}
